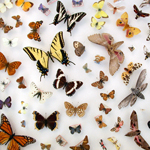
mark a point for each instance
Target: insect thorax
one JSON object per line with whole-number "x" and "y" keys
{"x": 38, "y": 94}
{"x": 66, "y": 17}
{"x": 10, "y": 138}
{"x": 135, "y": 91}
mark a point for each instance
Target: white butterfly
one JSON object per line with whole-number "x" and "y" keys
{"x": 11, "y": 43}
{"x": 24, "y": 107}
{"x": 4, "y": 83}
{"x": 35, "y": 91}
{"x": 6, "y": 4}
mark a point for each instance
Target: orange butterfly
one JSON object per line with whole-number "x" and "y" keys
{"x": 35, "y": 28}
{"x": 18, "y": 23}
{"x": 7, "y": 135}
{"x": 4, "y": 26}
{"x": 106, "y": 96}
{"x": 104, "y": 108}
{"x": 21, "y": 84}
{"x": 10, "y": 67}
{"x": 100, "y": 122}
{"x": 99, "y": 58}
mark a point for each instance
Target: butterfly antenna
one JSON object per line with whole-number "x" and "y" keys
{"x": 72, "y": 62}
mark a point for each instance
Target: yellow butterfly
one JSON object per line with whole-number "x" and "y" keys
{"x": 98, "y": 6}
{"x": 96, "y": 24}
{"x": 115, "y": 141}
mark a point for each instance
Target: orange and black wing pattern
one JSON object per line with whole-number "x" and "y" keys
{"x": 106, "y": 96}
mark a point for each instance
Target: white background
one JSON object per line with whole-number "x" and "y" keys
{"x": 86, "y": 93}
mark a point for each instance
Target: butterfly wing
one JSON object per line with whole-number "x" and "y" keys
{"x": 80, "y": 110}
{"x": 20, "y": 81}
{"x": 79, "y": 48}
{"x": 111, "y": 94}
{"x": 2, "y": 8}
{"x": 8, "y": 102}
{"x": 44, "y": 96}
{"x": 14, "y": 42}
{"x": 72, "y": 129}
{"x": 131, "y": 31}
{"x": 3, "y": 61}
{"x": 6, "y": 41}
{"x": 4, "y": 84}
{"x": 34, "y": 89}
{"x": 78, "y": 128}
{"x": 96, "y": 24}
{"x": 71, "y": 110}
{"x": 104, "y": 96}
{"x": 11, "y": 69}
{"x": 25, "y": 5}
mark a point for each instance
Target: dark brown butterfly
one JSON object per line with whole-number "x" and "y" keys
{"x": 4, "y": 26}
{"x": 18, "y": 23}
{"x": 20, "y": 81}
{"x": 79, "y": 48}
{"x": 104, "y": 108}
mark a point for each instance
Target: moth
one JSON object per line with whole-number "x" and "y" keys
{"x": 87, "y": 70}
{"x": 4, "y": 26}
{"x": 102, "y": 80}
{"x": 96, "y": 24}
{"x": 79, "y": 48}
{"x": 23, "y": 123}
{"x": 139, "y": 13}
{"x": 7, "y": 102}
{"x": 136, "y": 133}
{"x": 44, "y": 10}
{"x": 4, "y": 83}
{"x": 45, "y": 146}
{"x": 102, "y": 144}
{"x": 75, "y": 128}
{"x": 104, "y": 108}
{"x": 128, "y": 71}
{"x": 145, "y": 3}
{"x": 115, "y": 142}
{"x": 118, "y": 125}
{"x": 99, "y": 121}
{"x": 115, "y": 9}
{"x": 10, "y": 43}
{"x": 24, "y": 108}
{"x": 7, "y": 4}
{"x": 63, "y": 15}
{"x": 18, "y": 22}
{"x": 146, "y": 53}
{"x": 136, "y": 92}
{"x": 99, "y": 58}
{"x": 106, "y": 96}
{"x": 123, "y": 22}
{"x": 116, "y": 56}
{"x": 132, "y": 48}
{"x": 77, "y": 3}
{"x": 20, "y": 82}
{"x": 71, "y": 110}
{"x": 148, "y": 37}
{"x": 61, "y": 141}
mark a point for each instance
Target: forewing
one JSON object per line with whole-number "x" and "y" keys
{"x": 141, "y": 78}
{"x": 81, "y": 109}
{"x": 8, "y": 102}
{"x": 11, "y": 69}
{"x": 71, "y": 110}
{"x": 3, "y": 61}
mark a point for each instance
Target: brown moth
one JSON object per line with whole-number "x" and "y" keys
{"x": 79, "y": 48}
{"x": 116, "y": 56}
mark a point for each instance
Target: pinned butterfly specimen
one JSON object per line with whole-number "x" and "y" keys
{"x": 98, "y": 6}
{"x": 131, "y": 48}
{"x": 7, "y": 102}
{"x": 4, "y": 83}
{"x": 18, "y": 22}
{"x": 145, "y": 3}
{"x": 44, "y": 10}
{"x": 7, "y": 4}
{"x": 96, "y": 24}
{"x": 75, "y": 128}
{"x": 146, "y": 53}
{"x": 70, "y": 87}
{"x": 24, "y": 108}
{"x": 104, "y": 108}
{"x": 71, "y": 110}
{"x": 87, "y": 70}
{"x": 128, "y": 71}
{"x": 102, "y": 80}
{"x": 79, "y": 48}
{"x": 61, "y": 141}
{"x": 118, "y": 125}
{"x": 7, "y": 136}
{"x": 10, "y": 43}
{"x": 106, "y": 96}
{"x": 10, "y": 67}
{"x": 148, "y": 37}
{"x": 34, "y": 34}
{"x": 123, "y": 22}
{"x": 4, "y": 26}
{"x": 21, "y": 84}
{"x": 136, "y": 92}
{"x": 102, "y": 144}
{"x": 50, "y": 122}
{"x": 115, "y": 9}
{"x": 35, "y": 91}
{"x": 83, "y": 145}
{"x": 45, "y": 146}
{"x": 139, "y": 140}
{"x": 99, "y": 121}
{"x": 77, "y": 3}
{"x": 99, "y": 58}
{"x": 63, "y": 15}
{"x": 116, "y": 56}
{"x": 23, "y": 123}
{"x": 24, "y": 5}
{"x": 115, "y": 142}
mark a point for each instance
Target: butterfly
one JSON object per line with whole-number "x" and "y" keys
{"x": 98, "y": 6}
{"x": 71, "y": 110}
{"x": 35, "y": 91}
{"x": 128, "y": 71}
{"x": 146, "y": 53}
{"x": 102, "y": 144}
{"x": 104, "y": 108}
{"x": 123, "y": 22}
{"x": 74, "y": 129}
{"x": 136, "y": 92}
{"x": 61, "y": 141}
{"x": 20, "y": 81}
{"x": 23, "y": 123}
{"x": 44, "y": 10}
{"x": 50, "y": 122}
{"x": 148, "y": 37}
{"x": 99, "y": 121}
{"x": 116, "y": 56}
{"x": 7, "y": 4}
{"x": 24, "y": 108}
{"x": 115, "y": 9}
{"x": 63, "y": 15}
{"x": 4, "y": 83}
{"x": 96, "y": 24}
{"x": 86, "y": 68}
{"x": 106, "y": 96}
{"x": 145, "y": 3}
{"x": 131, "y": 48}
{"x": 35, "y": 29}
{"x": 79, "y": 48}
{"x": 70, "y": 87}
{"x": 5, "y": 27}
{"x": 7, "y": 135}
{"x": 25, "y": 5}
{"x": 10, "y": 43}
{"x": 45, "y": 146}
{"x": 102, "y": 80}
{"x": 136, "y": 133}
{"x": 99, "y": 58}
{"x": 7, "y": 102}
{"x": 18, "y": 22}
{"x": 114, "y": 141}
{"x": 77, "y": 3}
{"x": 10, "y": 67}
{"x": 118, "y": 125}
{"x": 83, "y": 145}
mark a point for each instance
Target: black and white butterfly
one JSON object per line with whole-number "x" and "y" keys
{"x": 75, "y": 129}
{"x": 63, "y": 15}
{"x": 70, "y": 87}
{"x": 148, "y": 38}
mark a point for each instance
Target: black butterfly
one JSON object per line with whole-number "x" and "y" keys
{"x": 75, "y": 129}
{"x": 63, "y": 15}
{"x": 70, "y": 87}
